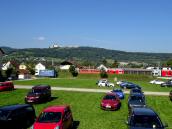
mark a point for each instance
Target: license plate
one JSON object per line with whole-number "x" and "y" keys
{"x": 108, "y": 106}
{"x": 30, "y": 100}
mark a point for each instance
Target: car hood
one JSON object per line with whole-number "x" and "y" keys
{"x": 136, "y": 103}
{"x": 45, "y": 125}
{"x": 109, "y": 101}
{"x": 33, "y": 94}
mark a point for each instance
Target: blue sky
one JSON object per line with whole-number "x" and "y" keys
{"x": 129, "y": 25}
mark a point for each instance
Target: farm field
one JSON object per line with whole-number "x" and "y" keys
{"x": 86, "y": 108}
{"x": 88, "y": 83}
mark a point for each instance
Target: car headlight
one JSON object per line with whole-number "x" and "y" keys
{"x": 32, "y": 127}
{"x": 57, "y": 127}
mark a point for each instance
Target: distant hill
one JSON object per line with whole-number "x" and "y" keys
{"x": 86, "y": 53}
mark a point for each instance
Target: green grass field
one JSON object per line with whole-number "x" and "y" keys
{"x": 87, "y": 83}
{"x": 86, "y": 108}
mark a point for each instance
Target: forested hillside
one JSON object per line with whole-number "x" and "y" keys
{"x": 87, "y": 54}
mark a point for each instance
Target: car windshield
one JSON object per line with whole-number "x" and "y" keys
{"x": 109, "y": 97}
{"x": 49, "y": 117}
{"x": 136, "y": 91}
{"x": 146, "y": 121}
{"x": 117, "y": 90}
{"x": 38, "y": 90}
{"x": 136, "y": 98}
{"x": 4, "y": 114}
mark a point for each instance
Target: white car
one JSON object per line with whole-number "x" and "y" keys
{"x": 105, "y": 83}
{"x": 119, "y": 82}
{"x": 158, "y": 82}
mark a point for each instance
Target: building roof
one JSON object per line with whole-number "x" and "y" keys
{"x": 137, "y": 69}
{"x": 66, "y": 63}
{"x": 1, "y": 52}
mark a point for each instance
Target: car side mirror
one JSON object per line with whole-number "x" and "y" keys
{"x": 64, "y": 119}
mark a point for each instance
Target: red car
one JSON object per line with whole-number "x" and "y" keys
{"x": 54, "y": 117}
{"x": 6, "y": 86}
{"x": 110, "y": 102}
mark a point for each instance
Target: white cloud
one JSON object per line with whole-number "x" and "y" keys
{"x": 40, "y": 38}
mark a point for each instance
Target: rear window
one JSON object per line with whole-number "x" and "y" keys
{"x": 109, "y": 97}
{"x": 49, "y": 117}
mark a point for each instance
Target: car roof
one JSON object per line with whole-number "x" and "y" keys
{"x": 40, "y": 86}
{"x": 14, "y": 107}
{"x": 144, "y": 111}
{"x": 58, "y": 108}
{"x": 136, "y": 94}
{"x": 116, "y": 90}
{"x": 6, "y": 82}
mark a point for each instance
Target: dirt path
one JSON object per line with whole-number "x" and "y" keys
{"x": 93, "y": 90}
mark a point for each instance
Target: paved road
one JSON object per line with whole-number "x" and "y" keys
{"x": 93, "y": 90}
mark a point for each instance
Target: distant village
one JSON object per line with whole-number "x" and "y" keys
{"x": 25, "y": 71}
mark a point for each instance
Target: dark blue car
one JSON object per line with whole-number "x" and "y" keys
{"x": 129, "y": 85}
{"x": 119, "y": 93}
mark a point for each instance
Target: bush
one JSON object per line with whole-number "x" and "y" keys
{"x": 103, "y": 74}
{"x": 73, "y": 71}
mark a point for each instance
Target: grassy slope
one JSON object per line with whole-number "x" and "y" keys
{"x": 86, "y": 83}
{"x": 86, "y": 110}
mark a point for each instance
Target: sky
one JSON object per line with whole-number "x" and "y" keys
{"x": 127, "y": 25}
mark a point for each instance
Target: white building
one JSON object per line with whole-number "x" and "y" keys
{"x": 6, "y": 65}
{"x": 102, "y": 67}
{"x": 65, "y": 65}
{"x": 39, "y": 67}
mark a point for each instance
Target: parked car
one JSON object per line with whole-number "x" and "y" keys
{"x": 136, "y": 100}
{"x": 144, "y": 118}
{"x": 54, "y": 117}
{"x": 170, "y": 95}
{"x": 167, "y": 84}
{"x": 120, "y": 82}
{"x": 4, "y": 86}
{"x": 110, "y": 102}
{"x": 39, "y": 93}
{"x": 119, "y": 92}
{"x": 136, "y": 91}
{"x": 19, "y": 116}
{"x": 158, "y": 82}
{"x": 129, "y": 85}
{"x": 101, "y": 80}
{"x": 106, "y": 83}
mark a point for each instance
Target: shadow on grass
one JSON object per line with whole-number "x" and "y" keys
{"x": 53, "y": 98}
{"x": 75, "y": 124}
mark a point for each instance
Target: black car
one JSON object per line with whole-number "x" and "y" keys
{"x": 136, "y": 91}
{"x": 167, "y": 84}
{"x": 129, "y": 85}
{"x": 19, "y": 116}
{"x": 170, "y": 95}
{"x": 38, "y": 94}
{"x": 136, "y": 100}
{"x": 144, "y": 118}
